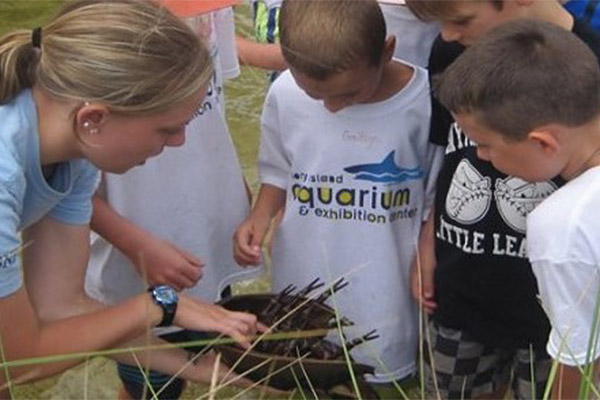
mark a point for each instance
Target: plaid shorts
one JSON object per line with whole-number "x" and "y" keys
{"x": 465, "y": 368}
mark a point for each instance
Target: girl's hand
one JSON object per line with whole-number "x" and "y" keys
{"x": 202, "y": 316}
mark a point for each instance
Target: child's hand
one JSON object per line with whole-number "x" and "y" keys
{"x": 247, "y": 241}
{"x": 202, "y": 316}
{"x": 422, "y": 286}
{"x": 423, "y": 267}
{"x": 161, "y": 262}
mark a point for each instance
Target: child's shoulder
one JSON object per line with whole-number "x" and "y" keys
{"x": 557, "y": 225}
{"x": 285, "y": 81}
{"x": 406, "y": 73}
{"x": 405, "y": 81}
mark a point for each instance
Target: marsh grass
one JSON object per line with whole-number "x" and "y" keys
{"x": 96, "y": 377}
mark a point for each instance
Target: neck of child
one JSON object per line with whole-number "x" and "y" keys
{"x": 394, "y": 77}
{"x": 552, "y": 11}
{"x": 586, "y": 150}
{"x": 58, "y": 141}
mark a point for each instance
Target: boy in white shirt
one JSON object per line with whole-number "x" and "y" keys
{"x": 344, "y": 150}
{"x": 528, "y": 94}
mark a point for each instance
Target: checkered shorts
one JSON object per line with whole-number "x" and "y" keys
{"x": 465, "y": 368}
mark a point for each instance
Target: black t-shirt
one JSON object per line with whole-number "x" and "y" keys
{"x": 484, "y": 284}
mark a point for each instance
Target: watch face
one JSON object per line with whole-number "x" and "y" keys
{"x": 165, "y": 294}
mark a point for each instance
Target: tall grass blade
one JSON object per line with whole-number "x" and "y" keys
{"x": 8, "y": 383}
{"x": 144, "y": 373}
{"x": 310, "y": 385}
{"x": 587, "y": 383}
{"x": 532, "y": 371}
{"x": 85, "y": 378}
{"x": 386, "y": 370}
{"x": 213, "y": 381}
{"x": 299, "y": 385}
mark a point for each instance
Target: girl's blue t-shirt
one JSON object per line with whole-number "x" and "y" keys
{"x": 25, "y": 195}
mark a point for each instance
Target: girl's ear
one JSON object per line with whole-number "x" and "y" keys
{"x": 546, "y": 139}
{"x": 89, "y": 120}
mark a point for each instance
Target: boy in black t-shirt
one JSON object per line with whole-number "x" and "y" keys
{"x": 473, "y": 275}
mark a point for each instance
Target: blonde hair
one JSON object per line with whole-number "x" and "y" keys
{"x": 320, "y": 38}
{"x": 132, "y": 55}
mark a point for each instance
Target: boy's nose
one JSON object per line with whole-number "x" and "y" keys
{"x": 483, "y": 154}
{"x": 333, "y": 105}
{"x": 176, "y": 140}
{"x": 449, "y": 32}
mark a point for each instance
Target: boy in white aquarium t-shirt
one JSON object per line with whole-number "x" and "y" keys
{"x": 344, "y": 150}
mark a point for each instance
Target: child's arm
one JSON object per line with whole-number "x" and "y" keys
{"x": 423, "y": 267}
{"x": 158, "y": 261}
{"x": 568, "y": 381}
{"x": 261, "y": 55}
{"x": 250, "y": 234}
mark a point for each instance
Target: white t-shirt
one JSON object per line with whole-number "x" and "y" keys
{"x": 414, "y": 37}
{"x": 358, "y": 182}
{"x": 563, "y": 235}
{"x": 193, "y": 196}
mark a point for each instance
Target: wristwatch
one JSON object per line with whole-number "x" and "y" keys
{"x": 166, "y": 297}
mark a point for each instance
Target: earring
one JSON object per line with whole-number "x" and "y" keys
{"x": 87, "y": 125}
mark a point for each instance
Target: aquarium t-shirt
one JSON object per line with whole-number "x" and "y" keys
{"x": 25, "y": 195}
{"x": 359, "y": 183}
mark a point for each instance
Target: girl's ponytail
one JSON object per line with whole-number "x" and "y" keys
{"x": 18, "y": 61}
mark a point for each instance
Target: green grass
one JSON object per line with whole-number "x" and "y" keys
{"x": 96, "y": 378}
{"x": 16, "y": 14}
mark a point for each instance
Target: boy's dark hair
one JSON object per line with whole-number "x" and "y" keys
{"x": 523, "y": 75}
{"x": 323, "y": 37}
{"x": 433, "y": 10}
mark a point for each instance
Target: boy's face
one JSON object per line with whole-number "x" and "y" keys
{"x": 522, "y": 158}
{"x": 354, "y": 86}
{"x": 471, "y": 19}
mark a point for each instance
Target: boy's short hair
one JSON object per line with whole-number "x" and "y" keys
{"x": 434, "y": 10}
{"x": 323, "y": 37}
{"x": 523, "y": 75}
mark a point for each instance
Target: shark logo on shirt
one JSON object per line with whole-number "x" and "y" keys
{"x": 386, "y": 171}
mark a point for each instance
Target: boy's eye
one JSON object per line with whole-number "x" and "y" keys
{"x": 345, "y": 96}
{"x": 172, "y": 131}
{"x": 461, "y": 21}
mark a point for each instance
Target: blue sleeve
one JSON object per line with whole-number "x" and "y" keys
{"x": 76, "y": 207}
{"x": 11, "y": 278}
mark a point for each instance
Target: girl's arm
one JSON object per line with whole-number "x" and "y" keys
{"x": 51, "y": 314}
{"x": 25, "y": 336}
